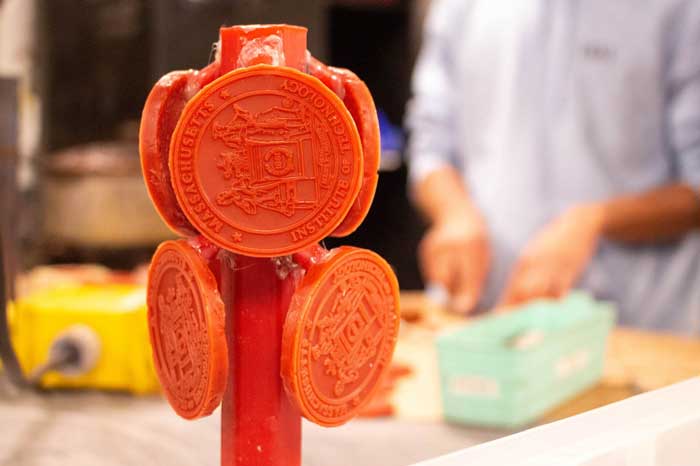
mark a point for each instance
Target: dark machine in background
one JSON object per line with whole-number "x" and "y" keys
{"x": 100, "y": 57}
{"x": 375, "y": 42}
{"x": 8, "y": 197}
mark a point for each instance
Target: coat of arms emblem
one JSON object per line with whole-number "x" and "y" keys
{"x": 176, "y": 307}
{"x": 279, "y": 159}
{"x": 349, "y": 335}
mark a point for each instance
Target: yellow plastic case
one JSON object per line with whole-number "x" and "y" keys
{"x": 117, "y": 314}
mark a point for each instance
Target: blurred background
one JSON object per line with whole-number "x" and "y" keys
{"x": 77, "y": 383}
{"x": 85, "y": 68}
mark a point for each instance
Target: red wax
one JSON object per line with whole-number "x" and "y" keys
{"x": 270, "y": 44}
{"x": 160, "y": 115}
{"x": 259, "y": 425}
{"x": 358, "y": 100}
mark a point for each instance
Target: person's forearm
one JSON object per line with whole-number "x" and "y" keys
{"x": 442, "y": 195}
{"x": 663, "y": 214}
{"x": 454, "y": 253}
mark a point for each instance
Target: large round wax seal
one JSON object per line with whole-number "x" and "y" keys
{"x": 266, "y": 161}
{"x": 187, "y": 329}
{"x": 339, "y": 335}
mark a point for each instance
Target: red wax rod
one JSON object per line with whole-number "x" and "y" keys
{"x": 271, "y": 44}
{"x": 265, "y": 152}
{"x": 259, "y": 424}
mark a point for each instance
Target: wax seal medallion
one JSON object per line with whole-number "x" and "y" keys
{"x": 186, "y": 326}
{"x": 266, "y": 161}
{"x": 340, "y": 334}
{"x": 163, "y": 107}
{"x": 358, "y": 100}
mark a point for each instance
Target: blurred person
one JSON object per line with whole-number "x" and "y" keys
{"x": 556, "y": 144}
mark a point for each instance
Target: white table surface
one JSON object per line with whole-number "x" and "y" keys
{"x": 98, "y": 429}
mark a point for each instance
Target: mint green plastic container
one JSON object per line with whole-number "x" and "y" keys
{"x": 507, "y": 370}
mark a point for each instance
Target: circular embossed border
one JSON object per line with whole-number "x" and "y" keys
{"x": 203, "y": 283}
{"x": 236, "y": 244}
{"x": 310, "y": 294}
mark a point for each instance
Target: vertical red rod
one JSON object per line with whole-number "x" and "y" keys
{"x": 259, "y": 425}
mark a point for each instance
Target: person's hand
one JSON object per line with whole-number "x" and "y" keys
{"x": 455, "y": 254}
{"x": 555, "y": 258}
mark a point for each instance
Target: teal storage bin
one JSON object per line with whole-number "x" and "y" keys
{"x": 507, "y": 370}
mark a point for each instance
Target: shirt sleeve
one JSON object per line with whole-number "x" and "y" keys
{"x": 684, "y": 94}
{"x": 431, "y": 113}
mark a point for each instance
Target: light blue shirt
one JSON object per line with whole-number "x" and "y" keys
{"x": 543, "y": 104}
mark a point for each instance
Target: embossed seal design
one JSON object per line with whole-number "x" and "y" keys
{"x": 266, "y": 161}
{"x": 340, "y": 334}
{"x": 186, "y": 328}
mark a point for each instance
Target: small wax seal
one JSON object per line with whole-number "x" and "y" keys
{"x": 265, "y": 161}
{"x": 340, "y": 334}
{"x": 186, "y": 326}
{"x": 163, "y": 107}
{"x": 358, "y": 100}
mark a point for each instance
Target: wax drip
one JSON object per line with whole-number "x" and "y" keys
{"x": 263, "y": 50}
{"x": 284, "y": 265}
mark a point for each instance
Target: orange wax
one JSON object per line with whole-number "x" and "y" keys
{"x": 265, "y": 161}
{"x": 340, "y": 334}
{"x": 186, "y": 328}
